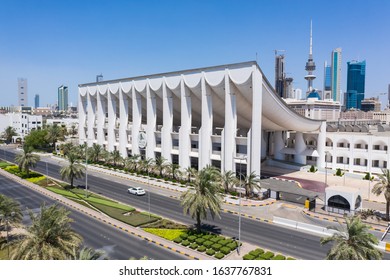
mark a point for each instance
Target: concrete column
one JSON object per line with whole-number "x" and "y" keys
{"x": 185, "y": 128}
{"x": 137, "y": 118}
{"x": 230, "y": 130}
{"x": 256, "y": 129}
{"x": 300, "y": 146}
{"x": 205, "y": 143}
{"x": 101, "y": 118}
{"x": 321, "y": 146}
{"x": 151, "y": 122}
{"x": 111, "y": 108}
{"x": 279, "y": 145}
{"x": 123, "y": 121}
{"x": 82, "y": 118}
{"x": 166, "y": 137}
{"x": 91, "y": 119}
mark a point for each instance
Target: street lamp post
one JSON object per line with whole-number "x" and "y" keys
{"x": 47, "y": 175}
{"x": 239, "y": 207}
{"x": 86, "y": 169}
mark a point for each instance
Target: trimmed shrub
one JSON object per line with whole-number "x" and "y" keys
{"x": 201, "y": 248}
{"x": 208, "y": 244}
{"x": 194, "y": 246}
{"x": 216, "y": 239}
{"x": 225, "y": 250}
{"x": 216, "y": 246}
{"x": 210, "y": 252}
{"x": 256, "y": 252}
{"x": 248, "y": 257}
{"x": 278, "y": 257}
{"x": 200, "y": 241}
{"x": 260, "y": 258}
{"x": 291, "y": 259}
{"x": 219, "y": 255}
{"x": 192, "y": 238}
{"x": 207, "y": 236}
{"x": 185, "y": 243}
{"x": 268, "y": 255}
{"x": 184, "y": 236}
{"x": 177, "y": 240}
{"x": 232, "y": 246}
{"x": 223, "y": 242}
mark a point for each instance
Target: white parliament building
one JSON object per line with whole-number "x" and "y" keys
{"x": 225, "y": 115}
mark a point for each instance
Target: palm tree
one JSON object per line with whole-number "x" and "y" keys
{"x": 54, "y": 133}
{"x": 10, "y": 211}
{"x": 383, "y": 186}
{"x": 66, "y": 148}
{"x": 8, "y": 133}
{"x": 73, "y": 170}
{"x": 50, "y": 236}
{"x": 251, "y": 182}
{"x": 353, "y": 242}
{"x": 146, "y": 164}
{"x": 132, "y": 162}
{"x": 26, "y": 159}
{"x": 95, "y": 152}
{"x": 115, "y": 157}
{"x": 205, "y": 196}
{"x": 190, "y": 173}
{"x": 173, "y": 169}
{"x": 86, "y": 254}
{"x": 160, "y": 163}
{"x": 227, "y": 179}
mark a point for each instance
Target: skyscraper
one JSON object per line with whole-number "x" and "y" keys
{"x": 279, "y": 74}
{"x": 388, "y": 97}
{"x": 327, "y": 81}
{"x": 310, "y": 65}
{"x": 62, "y": 98}
{"x": 36, "y": 101}
{"x": 22, "y": 92}
{"x": 336, "y": 74}
{"x": 356, "y": 76}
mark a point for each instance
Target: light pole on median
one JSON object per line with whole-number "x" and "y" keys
{"x": 142, "y": 143}
{"x": 239, "y": 206}
{"x": 86, "y": 168}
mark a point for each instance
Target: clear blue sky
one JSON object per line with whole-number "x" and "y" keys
{"x": 69, "y": 42}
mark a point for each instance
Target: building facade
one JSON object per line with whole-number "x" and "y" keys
{"x": 327, "y": 94}
{"x": 371, "y": 104}
{"x": 224, "y": 115}
{"x": 62, "y": 98}
{"x": 336, "y": 74}
{"x": 22, "y": 92}
{"x": 22, "y": 123}
{"x": 356, "y": 77}
{"x": 279, "y": 75}
{"x": 36, "y": 101}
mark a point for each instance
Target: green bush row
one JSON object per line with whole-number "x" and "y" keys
{"x": 259, "y": 254}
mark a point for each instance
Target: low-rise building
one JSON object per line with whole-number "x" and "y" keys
{"x": 22, "y": 123}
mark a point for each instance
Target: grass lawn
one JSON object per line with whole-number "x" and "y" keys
{"x": 4, "y": 164}
{"x": 3, "y": 253}
{"x": 167, "y": 224}
{"x": 134, "y": 218}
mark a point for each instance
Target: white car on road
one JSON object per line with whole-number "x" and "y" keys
{"x": 136, "y": 190}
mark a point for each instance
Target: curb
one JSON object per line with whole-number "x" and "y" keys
{"x": 248, "y": 216}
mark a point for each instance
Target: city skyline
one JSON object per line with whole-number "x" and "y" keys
{"x": 139, "y": 45}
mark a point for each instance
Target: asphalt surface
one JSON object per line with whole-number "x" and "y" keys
{"x": 117, "y": 244}
{"x": 277, "y": 238}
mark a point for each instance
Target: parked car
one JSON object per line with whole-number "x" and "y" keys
{"x": 136, "y": 190}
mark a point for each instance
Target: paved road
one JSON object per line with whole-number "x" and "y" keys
{"x": 117, "y": 244}
{"x": 273, "y": 237}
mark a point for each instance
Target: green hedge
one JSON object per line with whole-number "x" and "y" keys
{"x": 219, "y": 255}
{"x": 216, "y": 246}
{"x": 291, "y": 259}
{"x": 268, "y": 255}
{"x": 184, "y": 236}
{"x": 207, "y": 236}
{"x": 201, "y": 248}
{"x": 191, "y": 238}
{"x": 248, "y": 257}
{"x": 224, "y": 242}
{"x": 194, "y": 246}
{"x": 177, "y": 240}
{"x": 232, "y": 246}
{"x": 185, "y": 243}
{"x": 279, "y": 257}
{"x": 199, "y": 241}
{"x": 216, "y": 239}
{"x": 225, "y": 250}
{"x": 210, "y": 252}
{"x": 257, "y": 252}
{"x": 208, "y": 244}
{"x": 169, "y": 234}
